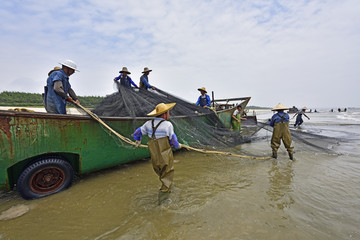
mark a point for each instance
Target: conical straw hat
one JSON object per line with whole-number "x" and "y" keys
{"x": 125, "y": 70}
{"x": 55, "y": 69}
{"x": 279, "y": 107}
{"x": 161, "y": 108}
{"x": 146, "y": 69}
{"x": 202, "y": 89}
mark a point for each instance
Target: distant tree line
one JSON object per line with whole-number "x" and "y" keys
{"x": 22, "y": 99}
{"x": 257, "y": 107}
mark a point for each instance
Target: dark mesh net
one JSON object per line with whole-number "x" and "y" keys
{"x": 133, "y": 102}
{"x": 310, "y": 140}
{"x": 194, "y": 126}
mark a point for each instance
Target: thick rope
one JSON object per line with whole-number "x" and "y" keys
{"x": 94, "y": 116}
{"x": 223, "y": 153}
{"x": 127, "y": 140}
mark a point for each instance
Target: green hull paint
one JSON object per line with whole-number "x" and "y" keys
{"x": 25, "y": 137}
{"x": 225, "y": 116}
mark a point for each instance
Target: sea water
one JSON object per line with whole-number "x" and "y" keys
{"x": 316, "y": 196}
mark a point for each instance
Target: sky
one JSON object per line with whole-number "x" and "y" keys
{"x": 294, "y": 52}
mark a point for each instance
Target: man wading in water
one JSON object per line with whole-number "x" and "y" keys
{"x": 280, "y": 123}
{"x": 162, "y": 138}
{"x": 299, "y": 114}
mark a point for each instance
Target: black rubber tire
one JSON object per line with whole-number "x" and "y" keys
{"x": 45, "y": 177}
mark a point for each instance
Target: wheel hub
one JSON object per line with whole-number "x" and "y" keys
{"x": 47, "y": 180}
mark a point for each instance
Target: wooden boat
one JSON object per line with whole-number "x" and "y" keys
{"x": 293, "y": 110}
{"x": 225, "y": 110}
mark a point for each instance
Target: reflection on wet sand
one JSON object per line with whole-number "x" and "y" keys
{"x": 280, "y": 178}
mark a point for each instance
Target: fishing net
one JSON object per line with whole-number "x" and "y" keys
{"x": 194, "y": 126}
{"x": 200, "y": 127}
{"x": 311, "y": 139}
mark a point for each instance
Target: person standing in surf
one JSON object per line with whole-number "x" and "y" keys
{"x": 162, "y": 139}
{"x": 299, "y": 119}
{"x": 280, "y": 122}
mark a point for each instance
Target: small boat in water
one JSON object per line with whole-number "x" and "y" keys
{"x": 225, "y": 111}
{"x": 293, "y": 110}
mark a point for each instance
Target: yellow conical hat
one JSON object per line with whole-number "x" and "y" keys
{"x": 161, "y": 108}
{"x": 279, "y": 107}
{"x": 55, "y": 69}
{"x": 202, "y": 89}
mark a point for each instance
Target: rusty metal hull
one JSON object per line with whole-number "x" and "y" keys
{"x": 27, "y": 137}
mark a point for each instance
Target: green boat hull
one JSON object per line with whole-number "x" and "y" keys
{"x": 32, "y": 144}
{"x": 225, "y": 116}
{"x": 26, "y": 137}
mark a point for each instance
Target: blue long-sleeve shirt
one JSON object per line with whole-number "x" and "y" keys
{"x": 277, "y": 118}
{"x": 144, "y": 79}
{"x": 127, "y": 81}
{"x": 203, "y": 100}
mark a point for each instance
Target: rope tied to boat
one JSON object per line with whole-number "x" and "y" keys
{"x": 127, "y": 140}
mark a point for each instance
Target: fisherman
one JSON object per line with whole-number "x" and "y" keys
{"x": 144, "y": 79}
{"x": 236, "y": 118}
{"x": 280, "y": 123}
{"x": 204, "y": 99}
{"x": 124, "y": 79}
{"x": 162, "y": 138}
{"x": 299, "y": 119}
{"x": 58, "y": 89}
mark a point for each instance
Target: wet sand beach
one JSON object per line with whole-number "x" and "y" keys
{"x": 214, "y": 197}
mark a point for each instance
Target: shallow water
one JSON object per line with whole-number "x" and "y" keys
{"x": 214, "y": 197}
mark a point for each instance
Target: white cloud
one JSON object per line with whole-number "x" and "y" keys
{"x": 294, "y": 52}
